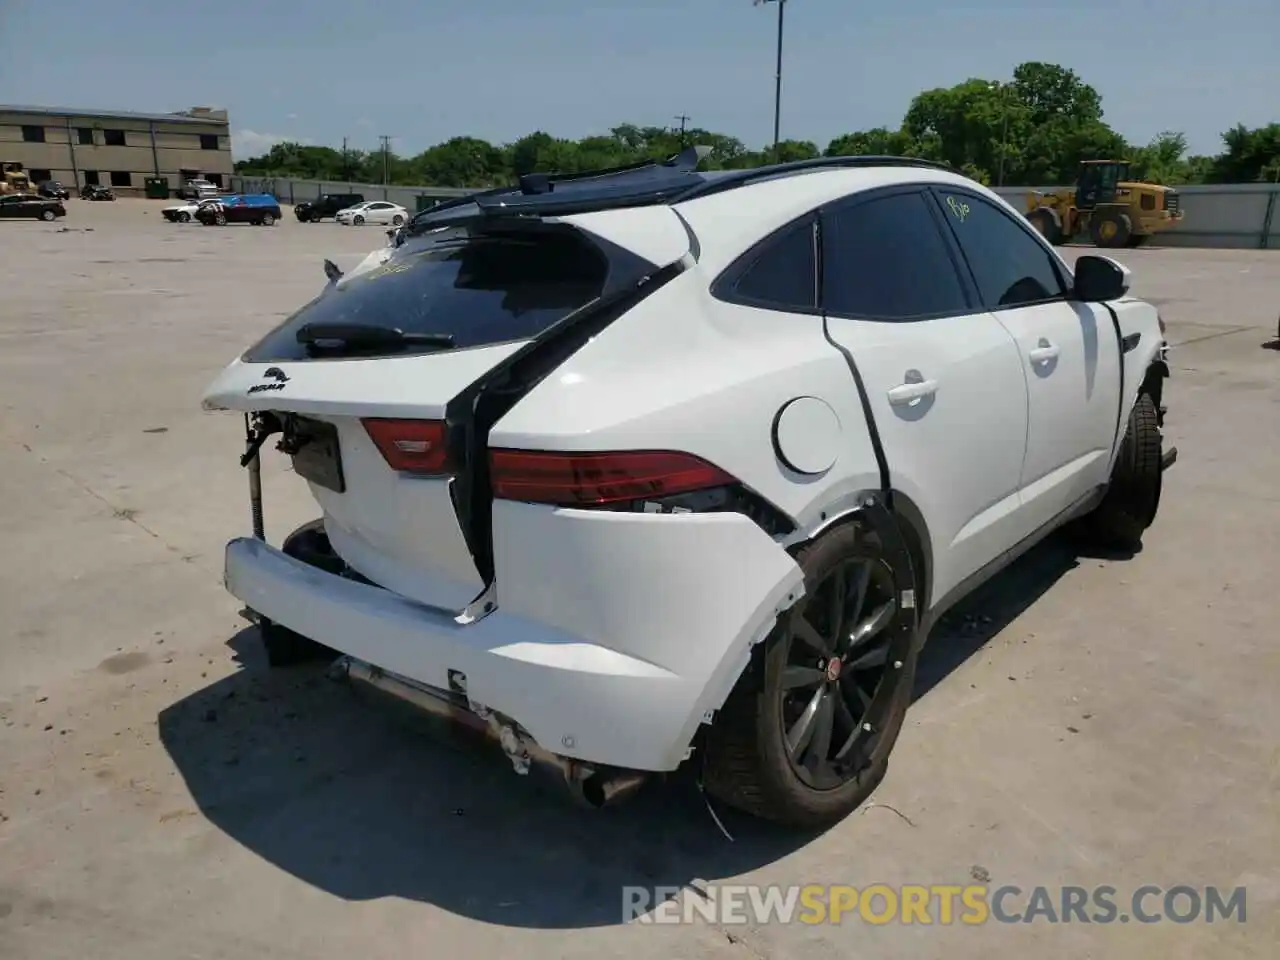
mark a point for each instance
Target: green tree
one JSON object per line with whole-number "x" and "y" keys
{"x": 1250, "y": 155}
{"x": 1034, "y": 128}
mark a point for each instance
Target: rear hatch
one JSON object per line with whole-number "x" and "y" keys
{"x": 366, "y": 375}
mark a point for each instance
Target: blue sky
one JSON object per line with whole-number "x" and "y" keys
{"x": 425, "y": 70}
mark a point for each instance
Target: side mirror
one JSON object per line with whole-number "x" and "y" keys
{"x": 1100, "y": 278}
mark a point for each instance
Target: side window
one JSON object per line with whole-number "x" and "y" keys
{"x": 1010, "y": 266}
{"x": 781, "y": 274}
{"x": 886, "y": 259}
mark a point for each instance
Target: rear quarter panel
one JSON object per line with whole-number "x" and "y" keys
{"x": 684, "y": 371}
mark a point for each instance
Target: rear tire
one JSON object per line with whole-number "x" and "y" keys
{"x": 793, "y": 743}
{"x": 268, "y": 220}
{"x": 48, "y": 216}
{"x": 1133, "y": 496}
{"x": 397, "y": 221}
{"x": 284, "y": 647}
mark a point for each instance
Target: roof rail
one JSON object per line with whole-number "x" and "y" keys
{"x": 728, "y": 180}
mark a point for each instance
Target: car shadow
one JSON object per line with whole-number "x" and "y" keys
{"x": 364, "y": 799}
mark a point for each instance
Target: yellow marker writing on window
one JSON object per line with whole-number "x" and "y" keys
{"x": 958, "y": 209}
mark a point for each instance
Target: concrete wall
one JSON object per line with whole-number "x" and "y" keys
{"x": 1233, "y": 215}
{"x": 1238, "y": 215}
{"x": 177, "y": 147}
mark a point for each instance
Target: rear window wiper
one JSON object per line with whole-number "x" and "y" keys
{"x": 367, "y": 336}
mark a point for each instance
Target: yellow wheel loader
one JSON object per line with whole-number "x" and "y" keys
{"x": 1111, "y": 209}
{"x": 13, "y": 179}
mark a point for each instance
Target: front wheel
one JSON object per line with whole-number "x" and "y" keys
{"x": 268, "y": 220}
{"x": 48, "y": 216}
{"x": 184, "y": 217}
{"x": 1133, "y": 495}
{"x": 358, "y": 221}
{"x": 220, "y": 219}
{"x": 397, "y": 221}
{"x": 806, "y": 734}
{"x": 1046, "y": 225}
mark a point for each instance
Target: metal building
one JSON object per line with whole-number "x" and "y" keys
{"x": 116, "y": 149}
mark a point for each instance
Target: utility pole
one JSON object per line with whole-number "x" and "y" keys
{"x": 386, "y": 159}
{"x": 1004, "y": 127}
{"x": 777, "y": 89}
{"x": 683, "y": 120}
{"x": 346, "y": 162}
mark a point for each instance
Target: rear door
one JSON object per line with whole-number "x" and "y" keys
{"x": 1067, "y": 349}
{"x": 941, "y": 374}
{"x": 390, "y": 507}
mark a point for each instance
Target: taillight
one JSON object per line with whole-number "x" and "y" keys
{"x": 411, "y": 446}
{"x": 587, "y": 479}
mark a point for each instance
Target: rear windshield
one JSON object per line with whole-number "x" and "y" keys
{"x": 477, "y": 290}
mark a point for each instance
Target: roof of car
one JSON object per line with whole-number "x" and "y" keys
{"x": 641, "y": 184}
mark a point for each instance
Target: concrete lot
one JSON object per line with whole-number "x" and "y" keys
{"x": 1084, "y": 721}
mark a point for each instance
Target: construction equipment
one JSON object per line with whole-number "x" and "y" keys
{"x": 1105, "y": 204}
{"x": 13, "y": 178}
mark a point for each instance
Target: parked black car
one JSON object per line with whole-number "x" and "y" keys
{"x": 309, "y": 211}
{"x": 93, "y": 191}
{"x": 54, "y": 190}
{"x": 30, "y": 206}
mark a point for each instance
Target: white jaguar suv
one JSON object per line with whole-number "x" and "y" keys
{"x": 654, "y": 465}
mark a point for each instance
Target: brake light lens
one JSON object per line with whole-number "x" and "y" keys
{"x": 419, "y": 447}
{"x": 587, "y": 479}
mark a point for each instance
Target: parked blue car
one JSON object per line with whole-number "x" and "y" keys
{"x": 260, "y": 209}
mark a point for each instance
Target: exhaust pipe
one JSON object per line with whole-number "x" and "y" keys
{"x": 588, "y": 785}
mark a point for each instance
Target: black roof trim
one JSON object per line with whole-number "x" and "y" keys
{"x": 732, "y": 179}
{"x": 646, "y": 183}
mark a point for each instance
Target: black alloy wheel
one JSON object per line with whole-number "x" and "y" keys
{"x": 836, "y": 663}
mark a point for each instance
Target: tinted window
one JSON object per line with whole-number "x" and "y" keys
{"x": 1010, "y": 266}
{"x": 478, "y": 290}
{"x": 782, "y": 273}
{"x": 887, "y": 259}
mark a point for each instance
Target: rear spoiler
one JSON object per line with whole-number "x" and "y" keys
{"x": 541, "y": 194}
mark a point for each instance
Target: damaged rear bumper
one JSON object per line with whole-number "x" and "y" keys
{"x": 602, "y": 649}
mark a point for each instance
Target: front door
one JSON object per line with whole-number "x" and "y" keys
{"x": 942, "y": 374}
{"x": 1067, "y": 350}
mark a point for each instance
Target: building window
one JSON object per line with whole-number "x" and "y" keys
{"x": 91, "y": 178}
{"x": 85, "y": 135}
{"x": 215, "y": 179}
{"x": 121, "y": 178}
{"x": 40, "y": 176}
{"x": 33, "y": 134}
{"x": 113, "y": 138}
{"x": 208, "y": 141}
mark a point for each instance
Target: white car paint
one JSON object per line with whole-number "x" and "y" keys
{"x": 614, "y": 633}
{"x": 374, "y": 211}
{"x": 177, "y": 210}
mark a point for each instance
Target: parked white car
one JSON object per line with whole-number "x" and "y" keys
{"x": 664, "y": 466}
{"x": 185, "y": 212}
{"x": 373, "y": 211}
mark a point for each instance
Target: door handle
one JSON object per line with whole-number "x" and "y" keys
{"x": 1043, "y": 352}
{"x": 912, "y": 391}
